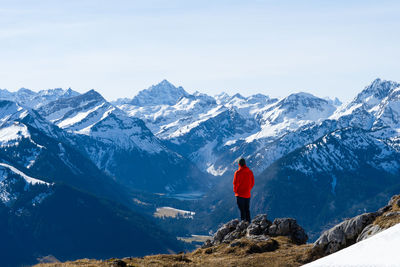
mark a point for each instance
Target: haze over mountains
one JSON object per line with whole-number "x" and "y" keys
{"x": 314, "y": 159}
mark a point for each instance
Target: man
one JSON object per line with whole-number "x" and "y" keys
{"x": 243, "y": 182}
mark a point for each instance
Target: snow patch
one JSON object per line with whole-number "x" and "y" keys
{"x": 216, "y": 171}
{"x": 28, "y": 179}
{"x": 16, "y": 131}
{"x": 169, "y": 212}
{"x": 77, "y": 118}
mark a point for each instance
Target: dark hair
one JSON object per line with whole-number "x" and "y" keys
{"x": 242, "y": 162}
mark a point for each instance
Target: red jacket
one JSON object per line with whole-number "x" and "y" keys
{"x": 243, "y": 182}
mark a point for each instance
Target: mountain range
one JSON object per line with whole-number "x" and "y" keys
{"x": 335, "y": 159}
{"x": 314, "y": 159}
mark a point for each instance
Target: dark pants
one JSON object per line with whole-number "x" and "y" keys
{"x": 244, "y": 207}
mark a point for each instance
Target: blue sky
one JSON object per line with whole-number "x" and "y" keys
{"x": 327, "y": 48}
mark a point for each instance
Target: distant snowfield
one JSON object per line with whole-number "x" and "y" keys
{"x": 165, "y": 212}
{"x": 381, "y": 249}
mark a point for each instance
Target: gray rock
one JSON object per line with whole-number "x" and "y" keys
{"x": 259, "y": 225}
{"x": 343, "y": 234}
{"x": 224, "y": 230}
{"x": 369, "y": 231}
{"x": 232, "y": 236}
{"x": 242, "y": 226}
{"x": 261, "y": 219}
{"x": 239, "y": 232}
{"x": 257, "y": 230}
{"x": 281, "y": 226}
{"x": 254, "y": 229}
{"x": 288, "y": 227}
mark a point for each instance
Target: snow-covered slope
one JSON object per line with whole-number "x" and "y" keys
{"x": 35, "y": 100}
{"x": 90, "y": 114}
{"x": 121, "y": 145}
{"x": 16, "y": 125}
{"x": 15, "y": 184}
{"x": 191, "y": 124}
{"x": 203, "y": 144}
{"x": 378, "y": 250}
{"x": 290, "y": 114}
{"x": 263, "y": 123}
{"x": 169, "y": 121}
{"x": 36, "y": 146}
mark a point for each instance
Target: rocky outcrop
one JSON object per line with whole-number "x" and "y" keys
{"x": 288, "y": 227}
{"x": 358, "y": 228}
{"x": 395, "y": 200}
{"x": 343, "y": 234}
{"x": 369, "y": 231}
{"x": 260, "y": 229}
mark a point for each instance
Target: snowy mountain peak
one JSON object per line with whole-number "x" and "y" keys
{"x": 165, "y": 83}
{"x": 92, "y": 95}
{"x": 57, "y": 92}
{"x": 222, "y": 98}
{"x": 375, "y": 92}
{"x": 372, "y": 99}
{"x": 260, "y": 98}
{"x": 24, "y": 93}
{"x": 74, "y": 111}
{"x": 222, "y": 94}
{"x": 336, "y": 102}
{"x": 91, "y": 115}
{"x": 237, "y": 95}
{"x": 51, "y": 91}
{"x": 298, "y": 100}
{"x": 300, "y": 95}
{"x": 29, "y": 98}
{"x": 163, "y": 93}
{"x": 291, "y": 113}
{"x": 69, "y": 91}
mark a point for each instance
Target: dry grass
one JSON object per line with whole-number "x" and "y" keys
{"x": 279, "y": 251}
{"x": 386, "y": 221}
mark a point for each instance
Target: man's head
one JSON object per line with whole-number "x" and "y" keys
{"x": 242, "y": 162}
